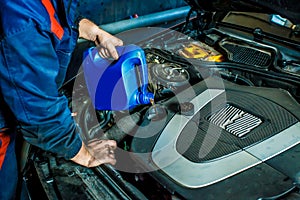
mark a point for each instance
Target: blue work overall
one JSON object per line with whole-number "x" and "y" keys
{"x": 37, "y": 40}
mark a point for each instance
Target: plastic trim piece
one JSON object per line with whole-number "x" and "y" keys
{"x": 197, "y": 175}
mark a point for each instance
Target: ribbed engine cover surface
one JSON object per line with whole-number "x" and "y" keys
{"x": 207, "y": 137}
{"x": 235, "y": 121}
{"x": 246, "y": 55}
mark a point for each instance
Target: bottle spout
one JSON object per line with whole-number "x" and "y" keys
{"x": 146, "y": 98}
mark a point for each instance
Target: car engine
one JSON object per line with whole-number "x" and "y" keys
{"x": 224, "y": 124}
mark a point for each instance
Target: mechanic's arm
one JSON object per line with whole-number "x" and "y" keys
{"x": 29, "y": 86}
{"x": 107, "y": 42}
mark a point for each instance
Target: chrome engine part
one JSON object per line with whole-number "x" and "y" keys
{"x": 234, "y": 120}
{"x": 170, "y": 75}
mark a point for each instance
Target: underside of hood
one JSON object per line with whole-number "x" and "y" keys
{"x": 289, "y": 9}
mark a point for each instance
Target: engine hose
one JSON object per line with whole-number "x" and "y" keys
{"x": 187, "y": 20}
{"x": 120, "y": 185}
{"x": 282, "y": 77}
{"x": 237, "y": 78}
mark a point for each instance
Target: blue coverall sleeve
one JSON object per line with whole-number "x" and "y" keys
{"x": 29, "y": 74}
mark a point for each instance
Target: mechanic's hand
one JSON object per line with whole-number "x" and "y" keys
{"x": 96, "y": 153}
{"x": 105, "y": 41}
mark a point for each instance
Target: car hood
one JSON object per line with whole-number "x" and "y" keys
{"x": 289, "y": 9}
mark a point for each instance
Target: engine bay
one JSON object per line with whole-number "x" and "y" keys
{"x": 225, "y": 119}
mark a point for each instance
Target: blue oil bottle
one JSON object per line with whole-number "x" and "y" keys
{"x": 117, "y": 84}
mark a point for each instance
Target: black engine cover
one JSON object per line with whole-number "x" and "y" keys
{"x": 212, "y": 144}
